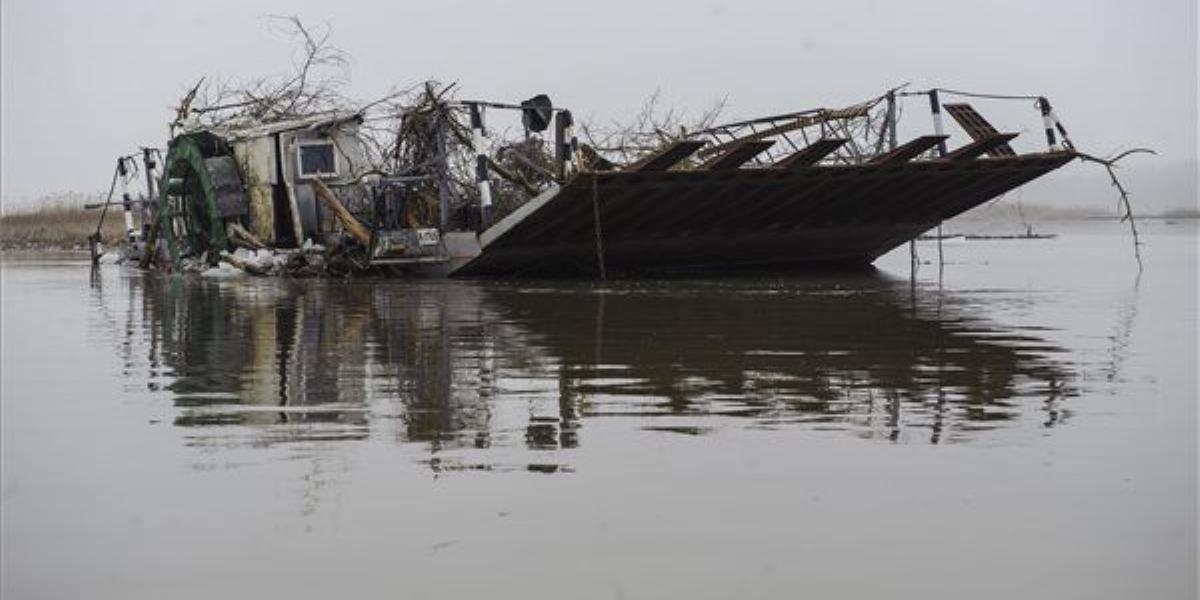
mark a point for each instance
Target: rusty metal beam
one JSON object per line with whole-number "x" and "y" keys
{"x": 736, "y": 155}
{"x": 810, "y": 154}
{"x": 980, "y": 147}
{"x": 666, "y": 157}
{"x": 909, "y": 151}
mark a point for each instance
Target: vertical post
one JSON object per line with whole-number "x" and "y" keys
{"x": 1047, "y": 122}
{"x": 935, "y": 107}
{"x": 913, "y": 260}
{"x": 443, "y": 172}
{"x": 126, "y": 201}
{"x": 891, "y": 119}
{"x": 127, "y": 204}
{"x": 564, "y": 142}
{"x": 147, "y": 206}
{"x": 886, "y": 127}
{"x": 481, "y": 168}
{"x": 912, "y": 244}
{"x": 150, "y": 165}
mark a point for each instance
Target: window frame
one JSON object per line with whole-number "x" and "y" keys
{"x": 301, "y": 144}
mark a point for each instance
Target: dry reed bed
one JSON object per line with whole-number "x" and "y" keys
{"x": 58, "y": 227}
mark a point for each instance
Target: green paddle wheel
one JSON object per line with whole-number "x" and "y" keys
{"x": 202, "y": 192}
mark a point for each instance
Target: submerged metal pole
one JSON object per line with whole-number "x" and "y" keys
{"x": 912, "y": 257}
{"x": 941, "y": 257}
{"x": 600, "y": 266}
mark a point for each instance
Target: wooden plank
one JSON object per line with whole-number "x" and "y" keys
{"x": 980, "y": 147}
{"x": 736, "y": 156}
{"x": 909, "y": 151}
{"x": 665, "y": 158}
{"x": 352, "y": 226}
{"x": 977, "y": 127}
{"x": 810, "y": 154}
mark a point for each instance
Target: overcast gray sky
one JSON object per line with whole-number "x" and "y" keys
{"x": 84, "y": 81}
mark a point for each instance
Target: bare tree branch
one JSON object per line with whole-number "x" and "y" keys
{"x": 1123, "y": 204}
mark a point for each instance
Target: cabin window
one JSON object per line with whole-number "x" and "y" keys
{"x": 317, "y": 159}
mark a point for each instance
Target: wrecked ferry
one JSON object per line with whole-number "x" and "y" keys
{"x": 447, "y": 195}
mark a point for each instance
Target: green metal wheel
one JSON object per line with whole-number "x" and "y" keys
{"x": 202, "y": 192}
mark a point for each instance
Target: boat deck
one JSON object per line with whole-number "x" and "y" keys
{"x": 780, "y": 217}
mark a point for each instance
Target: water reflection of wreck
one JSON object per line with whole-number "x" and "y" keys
{"x": 869, "y": 357}
{"x": 468, "y": 366}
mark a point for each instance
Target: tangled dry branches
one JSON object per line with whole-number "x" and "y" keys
{"x": 652, "y": 128}
{"x": 313, "y": 86}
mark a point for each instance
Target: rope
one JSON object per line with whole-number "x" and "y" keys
{"x": 970, "y": 94}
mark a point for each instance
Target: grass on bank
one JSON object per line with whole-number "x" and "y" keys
{"x": 58, "y": 226}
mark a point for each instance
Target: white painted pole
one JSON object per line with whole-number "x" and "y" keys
{"x": 1048, "y": 122}
{"x": 939, "y": 128}
{"x": 481, "y": 169}
{"x": 126, "y": 201}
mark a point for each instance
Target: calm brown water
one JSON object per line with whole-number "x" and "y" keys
{"x": 1027, "y": 428}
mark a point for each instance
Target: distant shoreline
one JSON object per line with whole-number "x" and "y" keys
{"x": 66, "y": 229}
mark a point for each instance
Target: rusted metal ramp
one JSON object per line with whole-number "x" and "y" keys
{"x": 653, "y": 218}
